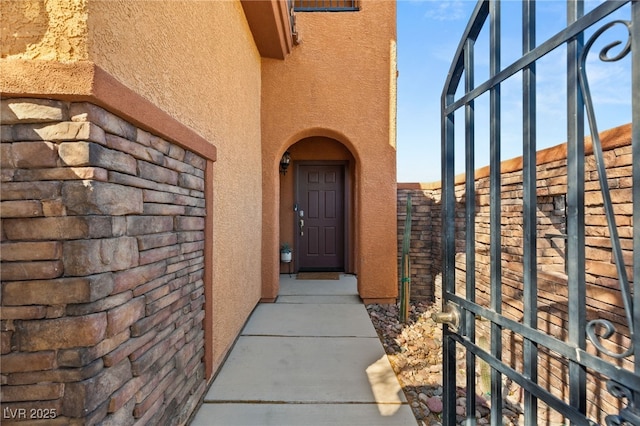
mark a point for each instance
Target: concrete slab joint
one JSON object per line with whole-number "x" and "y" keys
{"x": 311, "y": 358}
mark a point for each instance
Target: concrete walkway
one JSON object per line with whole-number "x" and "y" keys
{"x": 311, "y": 358}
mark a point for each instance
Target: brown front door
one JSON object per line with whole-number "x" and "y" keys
{"x": 320, "y": 217}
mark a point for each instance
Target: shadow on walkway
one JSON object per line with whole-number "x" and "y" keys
{"x": 311, "y": 358}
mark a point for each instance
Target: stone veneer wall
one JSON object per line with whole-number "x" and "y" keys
{"x": 602, "y": 291}
{"x": 424, "y": 243}
{"x": 102, "y": 269}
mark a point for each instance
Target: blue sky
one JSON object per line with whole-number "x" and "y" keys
{"x": 428, "y": 35}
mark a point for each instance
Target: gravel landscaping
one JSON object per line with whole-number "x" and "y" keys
{"x": 415, "y": 352}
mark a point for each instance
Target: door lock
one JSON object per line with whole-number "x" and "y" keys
{"x": 450, "y": 315}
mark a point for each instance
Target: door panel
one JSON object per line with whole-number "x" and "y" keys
{"x": 320, "y": 195}
{"x": 312, "y": 246}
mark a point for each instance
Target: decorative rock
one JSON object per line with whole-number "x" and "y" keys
{"x": 435, "y": 368}
{"x": 483, "y": 410}
{"x": 435, "y": 404}
{"x": 507, "y": 413}
{"x": 415, "y": 352}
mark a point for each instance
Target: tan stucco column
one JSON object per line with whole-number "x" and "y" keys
{"x": 376, "y": 223}
{"x": 270, "y": 227}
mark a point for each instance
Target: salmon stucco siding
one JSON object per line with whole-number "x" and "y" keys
{"x": 338, "y": 84}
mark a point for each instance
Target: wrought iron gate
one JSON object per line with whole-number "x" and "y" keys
{"x": 502, "y": 351}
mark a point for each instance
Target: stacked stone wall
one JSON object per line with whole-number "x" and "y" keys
{"x": 424, "y": 243}
{"x": 102, "y": 269}
{"x": 603, "y": 295}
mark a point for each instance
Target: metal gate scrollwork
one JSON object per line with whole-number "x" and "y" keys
{"x": 583, "y": 351}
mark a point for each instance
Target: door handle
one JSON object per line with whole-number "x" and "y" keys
{"x": 301, "y": 223}
{"x": 450, "y": 315}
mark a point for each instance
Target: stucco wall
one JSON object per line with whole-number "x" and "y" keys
{"x": 198, "y": 61}
{"x": 44, "y": 29}
{"x": 339, "y": 83}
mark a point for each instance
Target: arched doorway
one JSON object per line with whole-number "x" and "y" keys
{"x": 317, "y": 206}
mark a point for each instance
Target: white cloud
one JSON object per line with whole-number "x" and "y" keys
{"x": 446, "y": 10}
